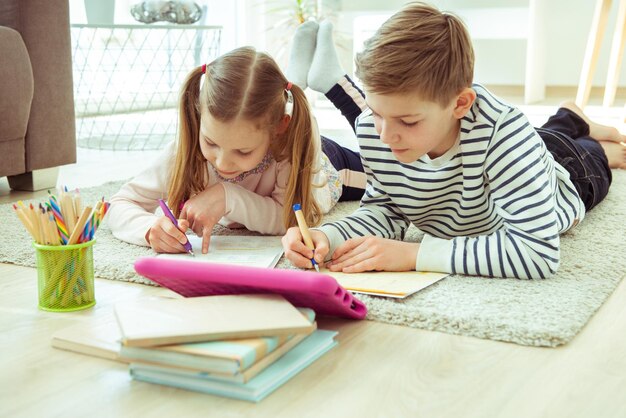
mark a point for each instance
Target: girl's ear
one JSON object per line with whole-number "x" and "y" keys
{"x": 283, "y": 125}
{"x": 464, "y": 102}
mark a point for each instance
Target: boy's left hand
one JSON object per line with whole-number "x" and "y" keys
{"x": 374, "y": 253}
{"x": 203, "y": 211}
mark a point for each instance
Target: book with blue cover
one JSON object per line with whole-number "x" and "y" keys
{"x": 235, "y": 360}
{"x": 283, "y": 369}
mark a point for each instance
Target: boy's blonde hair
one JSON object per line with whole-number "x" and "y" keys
{"x": 418, "y": 50}
{"x": 249, "y": 85}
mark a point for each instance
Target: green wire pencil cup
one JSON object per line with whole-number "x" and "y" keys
{"x": 65, "y": 276}
{"x": 62, "y": 231}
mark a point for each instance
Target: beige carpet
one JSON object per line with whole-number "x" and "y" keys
{"x": 530, "y": 312}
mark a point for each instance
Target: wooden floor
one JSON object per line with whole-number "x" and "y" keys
{"x": 377, "y": 370}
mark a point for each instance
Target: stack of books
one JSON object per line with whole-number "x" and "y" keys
{"x": 239, "y": 346}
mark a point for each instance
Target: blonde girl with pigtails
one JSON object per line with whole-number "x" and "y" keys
{"x": 247, "y": 149}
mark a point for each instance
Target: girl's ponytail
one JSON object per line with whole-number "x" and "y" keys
{"x": 301, "y": 144}
{"x": 189, "y": 172}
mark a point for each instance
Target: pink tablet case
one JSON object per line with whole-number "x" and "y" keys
{"x": 317, "y": 291}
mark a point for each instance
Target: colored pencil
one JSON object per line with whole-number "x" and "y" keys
{"x": 80, "y": 225}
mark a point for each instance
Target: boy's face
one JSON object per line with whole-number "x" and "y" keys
{"x": 412, "y": 127}
{"x": 232, "y": 147}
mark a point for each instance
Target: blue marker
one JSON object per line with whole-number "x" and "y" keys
{"x": 304, "y": 230}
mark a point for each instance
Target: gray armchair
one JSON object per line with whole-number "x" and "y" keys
{"x": 37, "y": 127}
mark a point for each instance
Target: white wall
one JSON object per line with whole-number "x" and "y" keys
{"x": 502, "y": 61}
{"x": 246, "y": 22}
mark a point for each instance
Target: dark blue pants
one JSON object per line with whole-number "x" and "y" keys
{"x": 345, "y": 103}
{"x": 343, "y": 158}
{"x": 566, "y": 136}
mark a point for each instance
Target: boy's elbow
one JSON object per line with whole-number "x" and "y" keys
{"x": 546, "y": 274}
{"x": 548, "y": 266}
{"x": 537, "y": 265}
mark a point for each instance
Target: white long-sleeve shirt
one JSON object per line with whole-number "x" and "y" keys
{"x": 255, "y": 203}
{"x": 493, "y": 205}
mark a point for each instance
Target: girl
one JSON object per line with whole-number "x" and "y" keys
{"x": 248, "y": 149}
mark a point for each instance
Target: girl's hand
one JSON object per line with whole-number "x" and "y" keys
{"x": 203, "y": 211}
{"x": 164, "y": 237}
{"x": 299, "y": 254}
{"x": 374, "y": 253}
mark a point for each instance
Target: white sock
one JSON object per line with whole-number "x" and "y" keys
{"x": 301, "y": 54}
{"x": 325, "y": 69}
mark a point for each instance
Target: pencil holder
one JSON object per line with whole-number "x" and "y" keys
{"x": 65, "y": 275}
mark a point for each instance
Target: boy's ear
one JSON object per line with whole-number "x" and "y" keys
{"x": 464, "y": 102}
{"x": 283, "y": 125}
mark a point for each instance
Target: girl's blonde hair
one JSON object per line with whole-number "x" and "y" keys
{"x": 246, "y": 84}
{"x": 418, "y": 50}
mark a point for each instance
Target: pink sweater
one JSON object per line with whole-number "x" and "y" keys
{"x": 255, "y": 203}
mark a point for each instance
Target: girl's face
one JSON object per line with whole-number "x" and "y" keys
{"x": 232, "y": 147}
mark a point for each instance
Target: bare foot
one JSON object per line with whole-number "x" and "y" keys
{"x": 596, "y": 131}
{"x": 616, "y": 153}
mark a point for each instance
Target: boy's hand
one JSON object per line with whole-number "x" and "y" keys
{"x": 374, "y": 253}
{"x": 298, "y": 253}
{"x": 203, "y": 211}
{"x": 164, "y": 237}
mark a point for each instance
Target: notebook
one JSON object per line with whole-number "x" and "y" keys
{"x": 239, "y": 376}
{"x": 391, "y": 284}
{"x": 294, "y": 361}
{"x": 162, "y": 321}
{"x": 231, "y": 360}
{"x": 100, "y": 337}
{"x": 317, "y": 291}
{"x": 255, "y": 251}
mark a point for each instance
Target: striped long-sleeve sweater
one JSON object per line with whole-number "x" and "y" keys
{"x": 493, "y": 205}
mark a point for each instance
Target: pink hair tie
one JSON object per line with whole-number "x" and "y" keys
{"x": 203, "y": 68}
{"x": 288, "y": 86}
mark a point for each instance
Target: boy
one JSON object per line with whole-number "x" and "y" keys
{"x": 491, "y": 193}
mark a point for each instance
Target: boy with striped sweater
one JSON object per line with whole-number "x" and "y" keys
{"x": 491, "y": 193}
